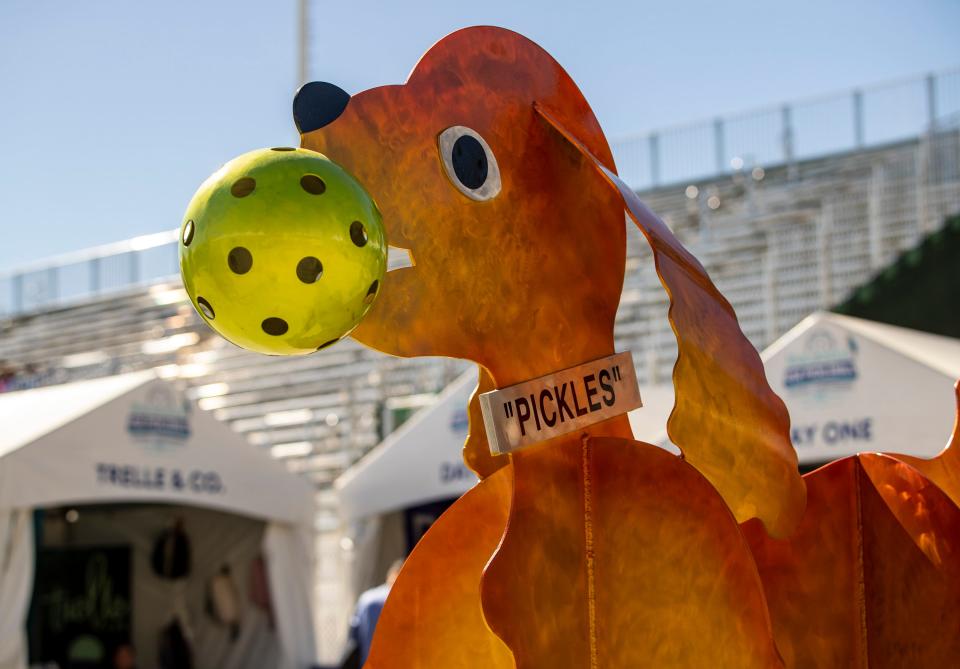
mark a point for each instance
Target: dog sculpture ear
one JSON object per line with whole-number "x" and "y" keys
{"x": 726, "y": 420}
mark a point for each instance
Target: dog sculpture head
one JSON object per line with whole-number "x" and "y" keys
{"x": 517, "y": 243}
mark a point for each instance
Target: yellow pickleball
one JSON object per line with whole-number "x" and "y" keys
{"x": 282, "y": 251}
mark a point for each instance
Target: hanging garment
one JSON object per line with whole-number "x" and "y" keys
{"x": 260, "y": 587}
{"x": 171, "y": 553}
{"x": 223, "y": 601}
{"x": 174, "y": 652}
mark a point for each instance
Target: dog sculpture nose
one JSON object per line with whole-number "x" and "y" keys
{"x": 317, "y": 104}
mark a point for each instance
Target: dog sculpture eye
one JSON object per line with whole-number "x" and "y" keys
{"x": 469, "y": 163}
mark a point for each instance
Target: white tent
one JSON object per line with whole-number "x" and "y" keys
{"x": 649, "y": 422}
{"x": 850, "y": 385}
{"x": 423, "y": 461}
{"x": 853, "y": 385}
{"x": 420, "y": 462}
{"x": 135, "y": 439}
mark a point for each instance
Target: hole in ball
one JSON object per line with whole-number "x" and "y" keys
{"x": 309, "y": 269}
{"x": 326, "y": 344}
{"x": 274, "y": 326}
{"x": 240, "y": 260}
{"x": 243, "y": 186}
{"x": 187, "y": 232}
{"x": 358, "y": 233}
{"x": 372, "y": 292}
{"x": 313, "y": 184}
{"x": 205, "y": 308}
{"x": 283, "y": 148}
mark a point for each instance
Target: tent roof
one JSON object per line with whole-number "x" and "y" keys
{"x": 935, "y": 351}
{"x": 855, "y": 386}
{"x": 830, "y": 419}
{"x": 939, "y": 353}
{"x": 418, "y": 463}
{"x": 136, "y": 438}
{"x": 27, "y": 415}
{"x": 649, "y": 422}
{"x": 422, "y": 461}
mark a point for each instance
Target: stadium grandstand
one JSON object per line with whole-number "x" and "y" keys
{"x": 790, "y": 209}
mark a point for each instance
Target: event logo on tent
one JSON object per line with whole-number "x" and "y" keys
{"x": 825, "y": 366}
{"x": 160, "y": 421}
{"x": 459, "y": 421}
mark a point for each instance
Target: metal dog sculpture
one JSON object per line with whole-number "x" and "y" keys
{"x": 591, "y": 549}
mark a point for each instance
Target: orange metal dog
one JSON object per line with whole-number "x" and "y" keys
{"x": 592, "y": 549}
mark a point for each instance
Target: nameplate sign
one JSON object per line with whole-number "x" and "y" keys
{"x": 558, "y": 403}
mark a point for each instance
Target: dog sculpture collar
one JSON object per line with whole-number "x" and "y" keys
{"x": 558, "y": 403}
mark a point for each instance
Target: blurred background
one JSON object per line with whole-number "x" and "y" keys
{"x": 808, "y": 154}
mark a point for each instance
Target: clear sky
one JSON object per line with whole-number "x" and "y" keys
{"x": 112, "y": 112}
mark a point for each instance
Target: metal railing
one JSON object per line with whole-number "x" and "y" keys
{"x": 89, "y": 273}
{"x": 782, "y": 135}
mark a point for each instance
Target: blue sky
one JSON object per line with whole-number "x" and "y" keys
{"x": 112, "y": 112}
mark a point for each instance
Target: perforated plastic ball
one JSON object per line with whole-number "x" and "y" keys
{"x": 282, "y": 251}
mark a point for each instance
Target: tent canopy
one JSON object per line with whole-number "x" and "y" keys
{"x": 418, "y": 463}
{"x": 850, "y": 385}
{"x": 136, "y": 438}
{"x": 853, "y": 386}
{"x": 422, "y": 461}
{"x": 649, "y": 422}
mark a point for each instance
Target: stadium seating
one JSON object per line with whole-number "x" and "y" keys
{"x": 779, "y": 242}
